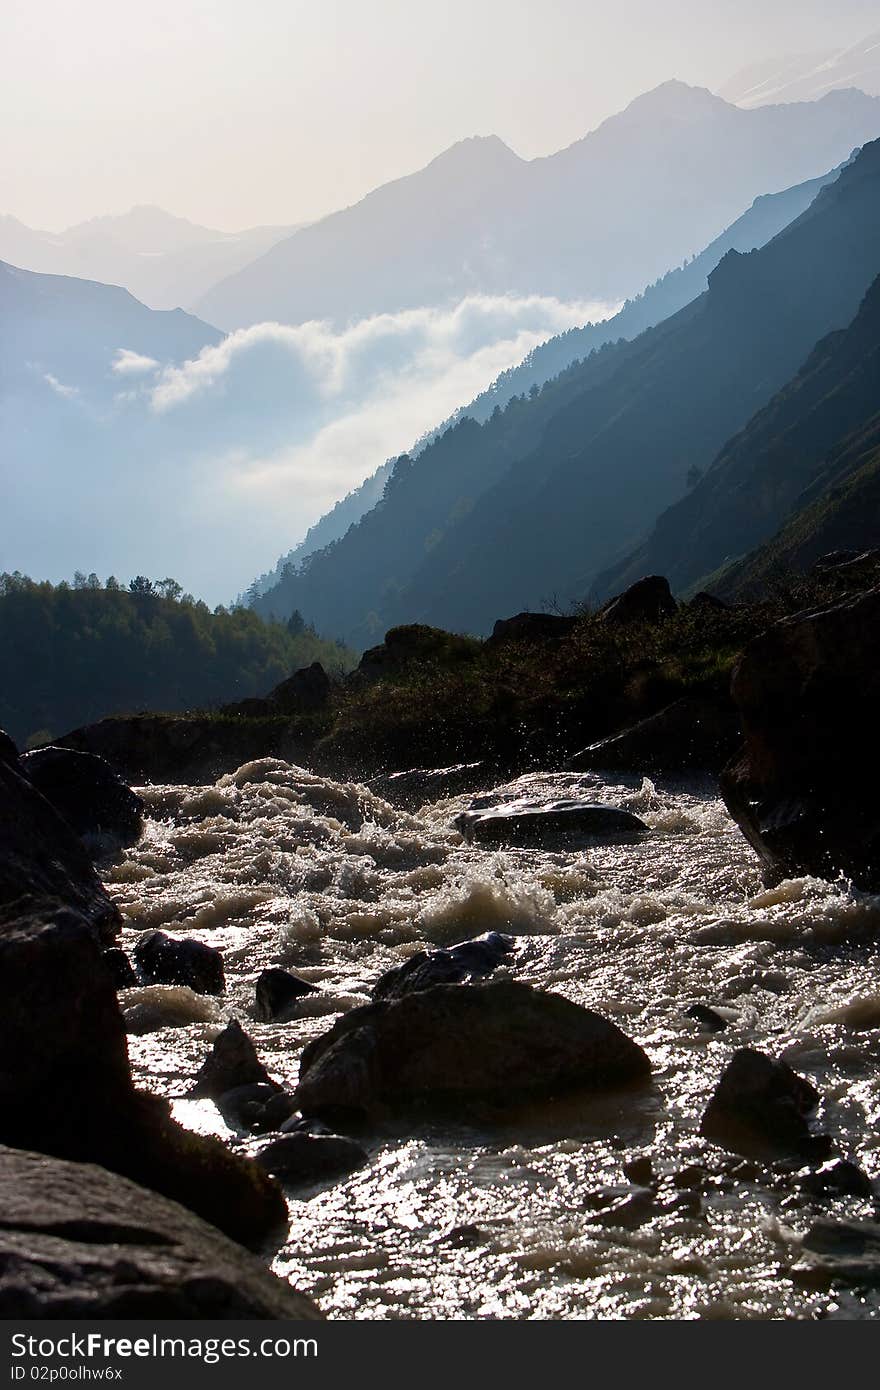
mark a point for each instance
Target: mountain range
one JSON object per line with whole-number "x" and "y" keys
{"x": 164, "y": 261}
{"x": 600, "y": 219}
{"x": 806, "y": 76}
{"x": 570, "y": 478}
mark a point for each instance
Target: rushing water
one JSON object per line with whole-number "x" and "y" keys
{"x": 279, "y": 867}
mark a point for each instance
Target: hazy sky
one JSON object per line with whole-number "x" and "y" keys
{"x": 237, "y": 112}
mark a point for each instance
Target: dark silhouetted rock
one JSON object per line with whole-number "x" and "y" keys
{"x": 303, "y": 1157}
{"x": 470, "y": 958}
{"x": 647, "y": 601}
{"x": 531, "y": 627}
{"x": 43, "y": 863}
{"x": 804, "y": 789}
{"x": 706, "y": 603}
{"x": 760, "y": 1099}
{"x": 840, "y": 1178}
{"x": 8, "y": 750}
{"x": 120, "y": 968}
{"x": 257, "y": 1107}
{"x": 171, "y": 960}
{"x": 86, "y": 791}
{"x": 689, "y": 734}
{"x": 414, "y": 644}
{"x": 232, "y": 1062}
{"x": 709, "y": 1019}
{"x": 494, "y": 1044}
{"x": 66, "y": 1090}
{"x": 79, "y": 1242}
{"x": 418, "y": 785}
{"x": 849, "y": 1250}
{"x": 547, "y": 823}
{"x": 277, "y": 992}
{"x": 307, "y": 689}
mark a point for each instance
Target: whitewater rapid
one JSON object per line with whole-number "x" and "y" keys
{"x": 277, "y": 866}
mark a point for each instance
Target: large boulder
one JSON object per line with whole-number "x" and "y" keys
{"x": 548, "y": 823}
{"x": 804, "y": 788}
{"x": 171, "y": 960}
{"x": 647, "y": 601}
{"x": 79, "y": 1242}
{"x": 495, "y": 1045}
{"x": 86, "y": 791}
{"x": 66, "y": 1089}
{"x": 689, "y": 734}
{"x": 231, "y": 1063}
{"x": 411, "y": 645}
{"x": 531, "y": 627}
{"x": 43, "y": 862}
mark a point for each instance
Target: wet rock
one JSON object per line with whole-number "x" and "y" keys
{"x": 804, "y": 789}
{"x": 231, "y": 1063}
{"x": 531, "y": 627}
{"x": 258, "y": 1107}
{"x": 70, "y": 1094}
{"x": 710, "y": 1020}
{"x": 849, "y": 1250}
{"x": 85, "y": 790}
{"x": 169, "y": 960}
{"x": 630, "y": 1211}
{"x": 469, "y": 959}
{"x": 497, "y": 1044}
{"x": 418, "y": 785}
{"x": 43, "y": 863}
{"x": 302, "y": 1157}
{"x": 547, "y": 824}
{"x": 307, "y": 689}
{"x": 647, "y": 601}
{"x": 462, "y": 1237}
{"x": 277, "y": 992}
{"x": 79, "y": 1242}
{"x": 841, "y": 1178}
{"x": 120, "y": 968}
{"x": 689, "y": 734}
{"x": 761, "y": 1099}
{"x": 639, "y": 1170}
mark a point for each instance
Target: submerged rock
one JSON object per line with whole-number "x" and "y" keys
{"x": 547, "y": 823}
{"x": 277, "y": 992}
{"x": 303, "y": 1157}
{"x": 849, "y": 1250}
{"x": 478, "y": 957}
{"x": 86, "y": 791}
{"x": 42, "y": 861}
{"x": 79, "y": 1242}
{"x": 804, "y": 789}
{"x": 257, "y": 1107}
{"x": 169, "y": 960}
{"x": 689, "y": 734}
{"x": 499, "y": 1044}
{"x": 761, "y": 1099}
{"x": 231, "y": 1063}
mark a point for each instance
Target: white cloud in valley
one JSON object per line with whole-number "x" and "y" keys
{"x": 128, "y": 363}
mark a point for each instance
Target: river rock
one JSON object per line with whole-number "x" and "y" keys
{"x": 169, "y": 960}
{"x": 303, "y": 1157}
{"x": 276, "y": 994}
{"x": 79, "y": 1242}
{"x": 66, "y": 1089}
{"x": 478, "y": 957}
{"x": 647, "y": 601}
{"x": 258, "y": 1107}
{"x": 761, "y": 1099}
{"x": 120, "y": 968}
{"x": 499, "y": 1044}
{"x": 804, "y": 789}
{"x": 42, "y": 861}
{"x": 232, "y": 1062}
{"x": 86, "y": 791}
{"x": 686, "y": 735}
{"x": 849, "y": 1250}
{"x": 548, "y": 823}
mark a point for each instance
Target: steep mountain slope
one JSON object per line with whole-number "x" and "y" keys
{"x": 602, "y": 451}
{"x": 806, "y": 76}
{"x": 817, "y": 428}
{"x": 599, "y": 219}
{"x": 164, "y": 261}
{"x": 69, "y": 329}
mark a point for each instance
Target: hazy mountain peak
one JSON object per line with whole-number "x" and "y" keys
{"x": 476, "y": 151}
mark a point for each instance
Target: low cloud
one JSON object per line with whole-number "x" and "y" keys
{"x": 128, "y": 363}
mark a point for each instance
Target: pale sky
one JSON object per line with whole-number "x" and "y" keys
{"x": 240, "y": 112}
